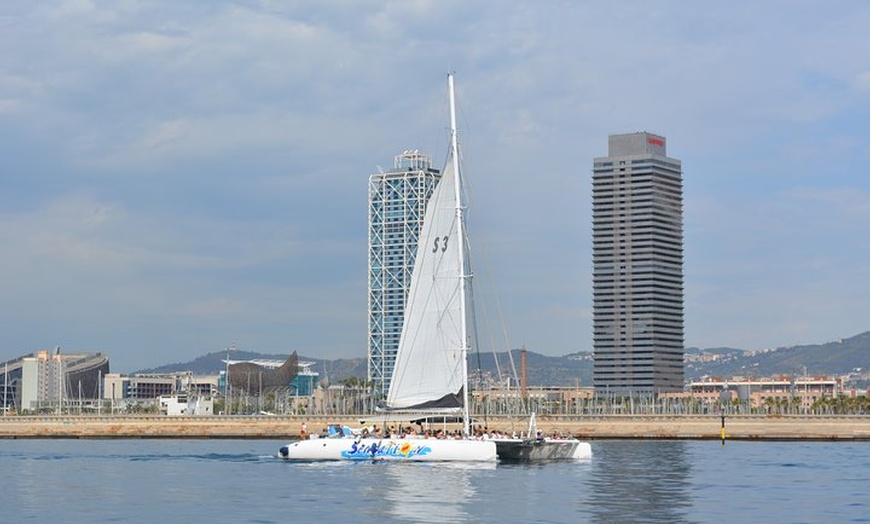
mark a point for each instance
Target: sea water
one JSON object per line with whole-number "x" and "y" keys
{"x": 208, "y": 481}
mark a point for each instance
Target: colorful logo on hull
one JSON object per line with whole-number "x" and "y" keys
{"x": 390, "y": 449}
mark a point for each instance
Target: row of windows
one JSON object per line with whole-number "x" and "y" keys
{"x": 630, "y": 175}
{"x": 638, "y": 203}
{"x": 639, "y": 305}
{"x": 612, "y": 231}
{"x": 645, "y": 242}
{"x": 649, "y": 324}
{"x": 645, "y": 160}
{"x": 605, "y": 185}
{"x": 663, "y": 296}
{"x": 661, "y": 341}
{"x": 638, "y": 262}
{"x": 611, "y": 273}
{"x": 636, "y": 283}
{"x": 604, "y": 260}
{"x": 636, "y": 178}
{"x": 627, "y": 250}
{"x": 395, "y": 230}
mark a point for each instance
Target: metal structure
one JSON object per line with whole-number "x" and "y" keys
{"x": 397, "y": 204}
{"x": 253, "y": 376}
{"x": 637, "y": 239}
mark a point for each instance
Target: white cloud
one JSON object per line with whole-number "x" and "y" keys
{"x": 209, "y": 160}
{"x": 151, "y": 43}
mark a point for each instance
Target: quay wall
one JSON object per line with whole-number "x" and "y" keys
{"x": 738, "y": 427}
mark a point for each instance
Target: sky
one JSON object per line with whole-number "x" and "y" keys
{"x": 177, "y": 177}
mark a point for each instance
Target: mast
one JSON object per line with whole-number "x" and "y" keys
{"x": 463, "y": 274}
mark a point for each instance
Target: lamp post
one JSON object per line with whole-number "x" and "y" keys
{"x": 227, "y": 378}
{"x": 5, "y": 386}
{"x": 59, "y": 368}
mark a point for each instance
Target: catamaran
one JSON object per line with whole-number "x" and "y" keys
{"x": 430, "y": 376}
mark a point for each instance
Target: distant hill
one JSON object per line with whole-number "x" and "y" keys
{"x": 213, "y": 363}
{"x": 841, "y": 357}
{"x": 540, "y": 369}
{"x": 833, "y": 358}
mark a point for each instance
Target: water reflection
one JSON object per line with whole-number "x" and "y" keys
{"x": 425, "y": 492}
{"x": 639, "y": 481}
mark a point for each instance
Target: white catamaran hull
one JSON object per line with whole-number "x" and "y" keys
{"x": 399, "y": 449}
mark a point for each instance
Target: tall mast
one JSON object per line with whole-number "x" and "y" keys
{"x": 463, "y": 275}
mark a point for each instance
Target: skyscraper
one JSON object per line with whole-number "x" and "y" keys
{"x": 637, "y": 252}
{"x": 397, "y": 204}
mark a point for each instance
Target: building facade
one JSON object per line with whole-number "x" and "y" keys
{"x": 397, "y": 205}
{"x": 773, "y": 394}
{"x": 54, "y": 381}
{"x": 637, "y": 251}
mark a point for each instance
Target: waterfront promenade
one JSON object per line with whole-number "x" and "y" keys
{"x": 737, "y": 427}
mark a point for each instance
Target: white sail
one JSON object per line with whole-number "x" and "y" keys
{"x": 430, "y": 363}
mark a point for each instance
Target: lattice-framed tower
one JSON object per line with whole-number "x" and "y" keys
{"x": 397, "y": 205}
{"x": 637, "y": 251}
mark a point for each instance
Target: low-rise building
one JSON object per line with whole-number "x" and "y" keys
{"x": 774, "y": 393}
{"x": 178, "y": 405}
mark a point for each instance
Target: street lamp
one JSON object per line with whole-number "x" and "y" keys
{"x": 227, "y": 378}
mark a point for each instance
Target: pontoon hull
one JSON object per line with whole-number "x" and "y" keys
{"x": 405, "y": 450}
{"x": 532, "y": 450}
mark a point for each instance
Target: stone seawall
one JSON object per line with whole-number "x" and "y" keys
{"x": 585, "y": 427}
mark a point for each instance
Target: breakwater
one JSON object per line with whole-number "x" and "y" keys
{"x": 737, "y": 427}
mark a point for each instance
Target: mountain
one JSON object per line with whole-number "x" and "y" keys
{"x": 841, "y": 357}
{"x": 570, "y": 370}
{"x": 540, "y": 369}
{"x": 214, "y": 363}
{"x": 850, "y": 356}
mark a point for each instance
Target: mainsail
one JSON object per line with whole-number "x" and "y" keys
{"x": 430, "y": 362}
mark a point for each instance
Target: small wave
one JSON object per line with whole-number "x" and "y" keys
{"x": 218, "y": 457}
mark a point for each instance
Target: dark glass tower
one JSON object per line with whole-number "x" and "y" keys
{"x": 637, "y": 251}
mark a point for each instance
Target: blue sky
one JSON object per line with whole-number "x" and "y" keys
{"x": 176, "y": 176}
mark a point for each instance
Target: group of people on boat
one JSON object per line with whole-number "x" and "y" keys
{"x": 377, "y": 432}
{"x": 410, "y": 432}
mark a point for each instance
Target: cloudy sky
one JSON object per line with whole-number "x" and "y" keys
{"x": 176, "y": 176}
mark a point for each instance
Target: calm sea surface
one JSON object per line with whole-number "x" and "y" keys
{"x": 205, "y": 481}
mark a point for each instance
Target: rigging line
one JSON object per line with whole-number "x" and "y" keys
{"x": 443, "y": 134}
{"x": 494, "y": 291}
{"x": 469, "y": 204}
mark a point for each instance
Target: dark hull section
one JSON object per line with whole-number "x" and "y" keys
{"x": 535, "y": 450}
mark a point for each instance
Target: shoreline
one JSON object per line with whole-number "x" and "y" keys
{"x": 685, "y": 427}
